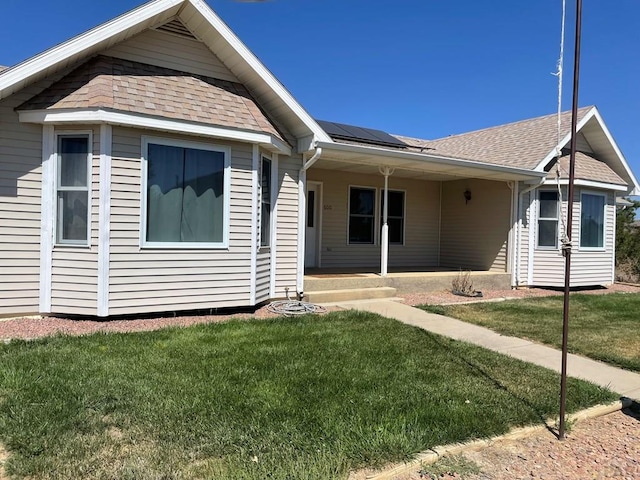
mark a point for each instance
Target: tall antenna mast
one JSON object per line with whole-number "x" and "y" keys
{"x": 566, "y": 246}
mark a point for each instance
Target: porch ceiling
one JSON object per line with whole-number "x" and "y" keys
{"x": 367, "y": 160}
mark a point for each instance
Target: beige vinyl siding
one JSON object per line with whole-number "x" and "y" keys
{"x": 156, "y": 280}
{"x": 263, "y": 275}
{"x": 74, "y": 269}
{"x": 286, "y": 254}
{"x": 167, "y": 50}
{"x": 20, "y": 200}
{"x": 475, "y": 234}
{"x": 421, "y": 221}
{"x": 588, "y": 267}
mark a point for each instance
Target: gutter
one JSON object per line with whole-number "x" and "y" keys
{"x": 302, "y": 208}
{"x": 438, "y": 159}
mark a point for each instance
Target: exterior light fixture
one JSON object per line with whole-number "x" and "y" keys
{"x": 467, "y": 196}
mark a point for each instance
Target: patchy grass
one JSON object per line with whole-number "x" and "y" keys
{"x": 603, "y": 327}
{"x": 451, "y": 465}
{"x": 304, "y": 398}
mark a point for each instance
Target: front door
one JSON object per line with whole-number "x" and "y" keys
{"x": 312, "y": 229}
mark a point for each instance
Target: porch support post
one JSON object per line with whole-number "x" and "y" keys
{"x": 384, "y": 261}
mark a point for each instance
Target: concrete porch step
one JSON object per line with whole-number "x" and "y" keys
{"x": 329, "y": 296}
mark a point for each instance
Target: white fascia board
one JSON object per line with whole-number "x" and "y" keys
{"x": 565, "y": 140}
{"x": 83, "y": 42}
{"x": 623, "y": 161}
{"x": 588, "y": 183}
{"x": 260, "y": 69}
{"x": 436, "y": 159}
{"x": 153, "y": 123}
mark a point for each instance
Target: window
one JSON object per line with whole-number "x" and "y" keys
{"x": 592, "y": 220}
{"x": 186, "y": 194}
{"x": 395, "y": 216}
{"x": 361, "y": 215}
{"x": 548, "y": 219}
{"x": 265, "y": 189}
{"x": 72, "y": 190}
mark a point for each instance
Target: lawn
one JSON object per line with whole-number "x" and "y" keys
{"x": 302, "y": 398}
{"x": 603, "y": 327}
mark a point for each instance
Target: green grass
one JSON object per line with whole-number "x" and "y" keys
{"x": 302, "y": 398}
{"x": 603, "y": 327}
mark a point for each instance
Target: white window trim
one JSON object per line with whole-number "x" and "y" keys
{"x": 267, "y": 247}
{"x": 146, "y": 140}
{"x": 404, "y": 215}
{"x": 538, "y": 218}
{"x": 604, "y": 222}
{"x": 58, "y": 242}
{"x": 375, "y": 215}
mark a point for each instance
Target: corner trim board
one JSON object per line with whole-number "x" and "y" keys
{"x": 47, "y": 214}
{"x": 104, "y": 219}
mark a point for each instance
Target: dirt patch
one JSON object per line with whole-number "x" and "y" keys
{"x": 3, "y": 458}
{"x": 604, "y": 447}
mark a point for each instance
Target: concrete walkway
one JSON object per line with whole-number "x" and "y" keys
{"x": 621, "y": 381}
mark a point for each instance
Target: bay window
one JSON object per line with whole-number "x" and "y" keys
{"x": 592, "y": 220}
{"x": 548, "y": 211}
{"x": 72, "y": 189}
{"x": 186, "y": 195}
{"x": 265, "y": 202}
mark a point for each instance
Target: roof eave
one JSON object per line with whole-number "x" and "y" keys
{"x": 517, "y": 173}
{"x": 35, "y": 67}
{"x": 128, "y": 119}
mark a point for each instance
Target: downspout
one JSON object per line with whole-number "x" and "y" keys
{"x": 302, "y": 208}
{"x": 519, "y": 231}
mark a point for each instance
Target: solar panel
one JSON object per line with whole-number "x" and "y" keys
{"x": 340, "y": 131}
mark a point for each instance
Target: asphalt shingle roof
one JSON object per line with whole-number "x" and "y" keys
{"x": 588, "y": 168}
{"x": 522, "y": 144}
{"x": 113, "y": 83}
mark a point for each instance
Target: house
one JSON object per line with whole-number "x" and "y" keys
{"x": 154, "y": 164}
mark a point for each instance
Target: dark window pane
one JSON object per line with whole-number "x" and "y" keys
{"x": 73, "y": 211}
{"x": 311, "y": 208}
{"x": 185, "y": 194}
{"x": 547, "y": 233}
{"x": 265, "y": 189}
{"x": 362, "y": 201}
{"x": 396, "y": 230}
{"x": 548, "y": 204}
{"x": 361, "y": 230}
{"x": 396, "y": 204}
{"x": 202, "y": 203}
{"x": 592, "y": 221}
{"x": 395, "y": 216}
{"x": 73, "y": 152}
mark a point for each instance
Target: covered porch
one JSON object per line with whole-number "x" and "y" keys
{"x": 381, "y": 218}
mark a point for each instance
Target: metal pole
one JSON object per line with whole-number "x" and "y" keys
{"x": 567, "y": 248}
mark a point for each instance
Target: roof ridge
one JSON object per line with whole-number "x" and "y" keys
{"x": 526, "y": 120}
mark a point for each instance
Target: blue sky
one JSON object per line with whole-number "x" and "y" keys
{"x": 422, "y": 68}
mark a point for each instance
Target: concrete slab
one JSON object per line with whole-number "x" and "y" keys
{"x": 621, "y": 381}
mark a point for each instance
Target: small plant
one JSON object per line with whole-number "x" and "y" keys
{"x": 463, "y": 285}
